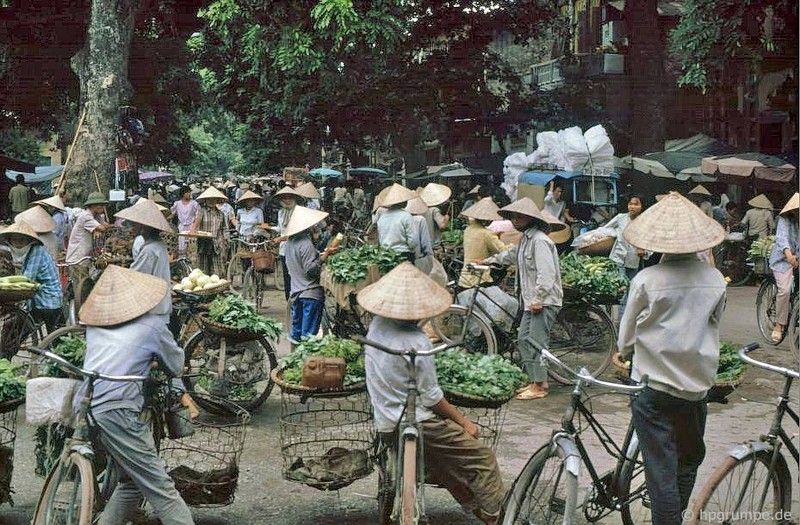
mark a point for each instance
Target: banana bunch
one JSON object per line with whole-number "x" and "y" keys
{"x": 17, "y": 282}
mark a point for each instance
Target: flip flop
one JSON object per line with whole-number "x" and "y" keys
{"x": 528, "y": 394}
{"x": 777, "y": 335}
{"x": 527, "y": 387}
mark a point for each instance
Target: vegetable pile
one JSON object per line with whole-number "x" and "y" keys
{"x": 594, "y": 278}
{"x": 761, "y": 248}
{"x": 17, "y": 283}
{"x": 233, "y": 311}
{"x": 327, "y": 346}
{"x": 12, "y": 384}
{"x": 70, "y": 347}
{"x": 730, "y": 366}
{"x": 453, "y": 236}
{"x": 197, "y": 281}
{"x": 488, "y": 376}
{"x": 350, "y": 265}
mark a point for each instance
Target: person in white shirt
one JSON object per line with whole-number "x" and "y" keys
{"x": 670, "y": 332}
{"x": 81, "y": 241}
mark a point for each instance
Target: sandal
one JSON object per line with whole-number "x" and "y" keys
{"x": 777, "y": 335}
{"x": 529, "y": 394}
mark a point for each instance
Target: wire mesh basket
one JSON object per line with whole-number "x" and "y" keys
{"x": 204, "y": 463}
{"x": 326, "y": 438}
{"x": 489, "y": 415}
{"x": 8, "y": 434}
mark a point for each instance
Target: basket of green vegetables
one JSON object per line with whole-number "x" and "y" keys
{"x": 478, "y": 380}
{"x": 595, "y": 280}
{"x": 288, "y": 376}
{"x": 233, "y": 318}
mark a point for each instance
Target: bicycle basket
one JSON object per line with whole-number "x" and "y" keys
{"x": 263, "y": 261}
{"x": 205, "y": 464}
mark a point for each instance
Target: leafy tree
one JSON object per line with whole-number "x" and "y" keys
{"x": 368, "y": 72}
{"x": 712, "y": 35}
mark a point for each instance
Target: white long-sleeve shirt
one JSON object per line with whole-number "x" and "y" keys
{"x": 671, "y": 325}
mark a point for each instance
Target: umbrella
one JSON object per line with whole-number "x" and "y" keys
{"x": 742, "y": 165}
{"x": 324, "y": 172}
{"x": 368, "y": 171}
{"x": 150, "y": 175}
{"x": 681, "y": 165}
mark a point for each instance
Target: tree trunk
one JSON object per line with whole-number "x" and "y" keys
{"x": 102, "y": 67}
{"x": 646, "y": 69}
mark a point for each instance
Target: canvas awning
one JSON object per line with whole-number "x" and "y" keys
{"x": 40, "y": 174}
{"x": 681, "y": 158}
{"x": 740, "y": 166}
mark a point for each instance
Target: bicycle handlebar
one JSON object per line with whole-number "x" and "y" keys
{"x": 788, "y": 372}
{"x": 255, "y": 245}
{"x": 584, "y": 375}
{"x": 413, "y": 352}
{"x": 82, "y": 371}
{"x": 67, "y": 265}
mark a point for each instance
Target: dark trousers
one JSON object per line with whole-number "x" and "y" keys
{"x": 670, "y": 432}
{"x": 287, "y": 285}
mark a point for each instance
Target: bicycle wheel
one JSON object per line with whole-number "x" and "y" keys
{"x": 544, "y": 493}
{"x": 475, "y": 332}
{"x": 248, "y": 289}
{"x": 277, "y": 275}
{"x": 732, "y": 262}
{"x": 794, "y": 331}
{"x": 408, "y": 494}
{"x": 582, "y": 336}
{"x": 765, "y": 309}
{"x": 18, "y": 332}
{"x": 736, "y": 488}
{"x": 235, "y": 273}
{"x": 68, "y": 494}
{"x": 636, "y": 507}
{"x": 243, "y": 378}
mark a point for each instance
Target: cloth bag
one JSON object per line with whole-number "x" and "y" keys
{"x": 49, "y": 400}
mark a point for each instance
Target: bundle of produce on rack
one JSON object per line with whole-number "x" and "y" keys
{"x": 595, "y": 280}
{"x": 15, "y": 288}
{"x": 759, "y": 252}
{"x": 198, "y": 283}
{"x": 204, "y": 462}
{"x": 343, "y": 276}
{"x": 326, "y": 433}
{"x": 12, "y": 395}
{"x": 114, "y": 246}
{"x": 232, "y": 317}
{"x": 481, "y": 385}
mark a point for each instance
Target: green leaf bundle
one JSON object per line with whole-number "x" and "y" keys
{"x": 232, "y": 310}
{"x": 350, "y": 265}
{"x": 488, "y": 376}
{"x": 12, "y": 384}
{"x": 327, "y": 346}
{"x": 70, "y": 347}
{"x": 594, "y": 278}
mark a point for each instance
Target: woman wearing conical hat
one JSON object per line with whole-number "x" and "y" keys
{"x": 783, "y": 261}
{"x": 43, "y": 224}
{"x": 31, "y": 259}
{"x": 186, "y": 210}
{"x": 211, "y": 219}
{"x": 479, "y": 241}
{"x": 396, "y": 229}
{"x": 55, "y": 207}
{"x": 758, "y": 220}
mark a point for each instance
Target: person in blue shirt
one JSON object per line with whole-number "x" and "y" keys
{"x": 783, "y": 261}
{"x": 32, "y": 260}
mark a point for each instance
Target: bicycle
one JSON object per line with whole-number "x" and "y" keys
{"x": 583, "y": 335}
{"x": 70, "y": 493}
{"x": 546, "y": 490}
{"x": 217, "y": 366}
{"x": 244, "y": 279}
{"x": 731, "y": 259}
{"x": 754, "y": 479}
{"x": 401, "y": 470}
{"x": 766, "y": 310}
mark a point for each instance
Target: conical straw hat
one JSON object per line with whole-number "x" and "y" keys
{"x": 435, "y": 194}
{"x": 54, "y": 201}
{"x": 416, "y": 206}
{"x": 302, "y": 219}
{"x": 158, "y": 198}
{"x": 760, "y": 201}
{"x": 523, "y": 206}
{"x": 249, "y": 195}
{"x": 19, "y": 228}
{"x": 308, "y": 191}
{"x": 146, "y": 213}
{"x": 484, "y": 210}
{"x": 379, "y": 198}
{"x": 793, "y": 204}
{"x": 559, "y": 232}
{"x": 211, "y": 193}
{"x": 699, "y": 190}
{"x": 288, "y": 190}
{"x": 121, "y": 295}
{"x": 38, "y": 219}
{"x": 674, "y": 225}
{"x": 396, "y": 195}
{"x": 405, "y": 293}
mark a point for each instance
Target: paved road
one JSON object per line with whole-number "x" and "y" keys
{"x": 264, "y": 497}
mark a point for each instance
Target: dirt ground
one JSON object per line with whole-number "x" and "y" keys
{"x": 264, "y": 497}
